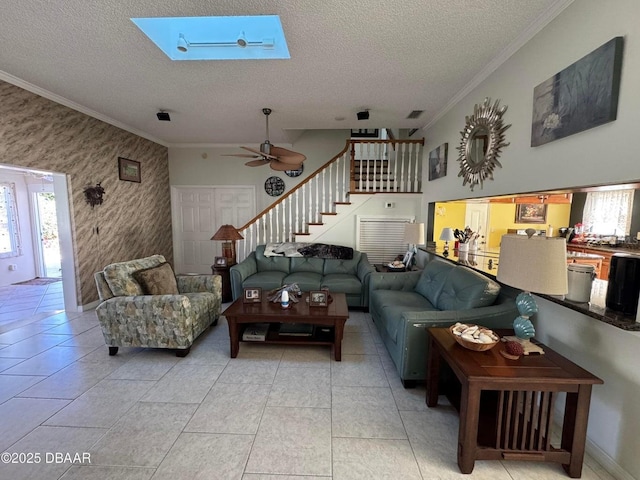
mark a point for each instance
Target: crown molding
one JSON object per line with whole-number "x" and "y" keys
{"x": 18, "y": 82}
{"x": 542, "y": 21}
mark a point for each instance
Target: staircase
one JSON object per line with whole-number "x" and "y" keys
{"x": 363, "y": 167}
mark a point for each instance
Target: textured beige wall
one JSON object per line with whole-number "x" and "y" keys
{"x": 135, "y": 218}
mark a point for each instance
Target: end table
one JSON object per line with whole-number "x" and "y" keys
{"x": 224, "y": 272}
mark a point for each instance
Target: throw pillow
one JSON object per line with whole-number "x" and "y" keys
{"x": 158, "y": 280}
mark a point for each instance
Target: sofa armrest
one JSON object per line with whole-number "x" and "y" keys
{"x": 364, "y": 268}
{"x": 199, "y": 283}
{"x": 405, "y": 281}
{"x": 240, "y": 272}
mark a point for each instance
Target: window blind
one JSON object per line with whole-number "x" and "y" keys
{"x": 382, "y": 238}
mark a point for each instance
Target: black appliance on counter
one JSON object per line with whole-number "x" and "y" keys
{"x": 624, "y": 283}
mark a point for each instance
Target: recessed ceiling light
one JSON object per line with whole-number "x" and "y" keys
{"x": 256, "y": 37}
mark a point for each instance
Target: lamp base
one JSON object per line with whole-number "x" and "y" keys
{"x": 527, "y": 345}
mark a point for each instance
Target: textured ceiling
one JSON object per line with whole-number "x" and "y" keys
{"x": 392, "y": 57}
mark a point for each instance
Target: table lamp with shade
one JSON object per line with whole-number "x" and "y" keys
{"x": 533, "y": 264}
{"x": 448, "y": 236}
{"x": 228, "y": 234}
{"x": 414, "y": 235}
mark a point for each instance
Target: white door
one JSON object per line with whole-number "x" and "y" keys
{"x": 198, "y": 212}
{"x": 476, "y": 217}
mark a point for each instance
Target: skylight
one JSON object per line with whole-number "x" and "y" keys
{"x": 257, "y": 37}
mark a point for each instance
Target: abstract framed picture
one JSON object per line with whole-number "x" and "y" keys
{"x": 438, "y": 161}
{"x": 582, "y": 96}
{"x": 531, "y": 213}
{"x": 128, "y": 170}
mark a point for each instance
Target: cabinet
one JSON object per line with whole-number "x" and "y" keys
{"x": 605, "y": 262}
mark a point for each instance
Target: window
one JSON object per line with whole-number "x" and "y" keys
{"x": 608, "y": 213}
{"x": 9, "y": 231}
{"x": 382, "y": 238}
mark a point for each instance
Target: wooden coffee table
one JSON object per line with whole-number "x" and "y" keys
{"x": 333, "y": 317}
{"x": 506, "y": 406}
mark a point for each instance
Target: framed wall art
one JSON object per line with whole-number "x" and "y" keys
{"x": 582, "y": 96}
{"x": 531, "y": 213}
{"x": 274, "y": 186}
{"x": 438, "y": 161}
{"x": 129, "y": 170}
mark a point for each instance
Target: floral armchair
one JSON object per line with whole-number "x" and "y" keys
{"x": 173, "y": 317}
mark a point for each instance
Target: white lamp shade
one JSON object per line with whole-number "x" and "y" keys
{"x": 447, "y": 234}
{"x": 414, "y": 233}
{"x": 536, "y": 264}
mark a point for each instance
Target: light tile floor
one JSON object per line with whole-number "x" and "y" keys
{"x": 274, "y": 413}
{"x": 21, "y": 302}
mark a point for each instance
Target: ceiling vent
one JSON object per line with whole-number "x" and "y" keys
{"x": 415, "y": 114}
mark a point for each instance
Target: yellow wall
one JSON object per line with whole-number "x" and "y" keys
{"x": 449, "y": 214}
{"x": 502, "y": 217}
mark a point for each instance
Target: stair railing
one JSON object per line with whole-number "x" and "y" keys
{"x": 384, "y": 166}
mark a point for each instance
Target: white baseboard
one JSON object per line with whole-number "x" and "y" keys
{"x": 594, "y": 451}
{"x": 608, "y": 463}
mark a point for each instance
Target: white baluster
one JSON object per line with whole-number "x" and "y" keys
{"x": 330, "y": 188}
{"x": 324, "y": 190}
{"x": 377, "y": 184}
{"x": 368, "y": 160}
{"x": 317, "y": 205}
{"x": 345, "y": 180}
{"x": 361, "y": 163}
{"x": 403, "y": 161}
{"x": 296, "y": 227}
{"x": 271, "y": 225}
{"x": 416, "y": 175}
{"x": 304, "y": 207}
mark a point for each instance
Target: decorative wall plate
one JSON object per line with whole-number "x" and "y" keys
{"x": 274, "y": 186}
{"x": 482, "y": 140}
{"x": 295, "y": 173}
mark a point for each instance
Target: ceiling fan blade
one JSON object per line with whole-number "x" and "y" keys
{"x": 257, "y": 163}
{"x": 281, "y": 166}
{"x": 243, "y": 155}
{"x": 288, "y": 156}
{"x": 258, "y": 152}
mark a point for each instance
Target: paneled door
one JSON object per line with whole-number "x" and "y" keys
{"x": 197, "y": 214}
{"x": 476, "y": 217}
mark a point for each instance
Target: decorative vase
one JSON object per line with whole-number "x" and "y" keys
{"x": 463, "y": 247}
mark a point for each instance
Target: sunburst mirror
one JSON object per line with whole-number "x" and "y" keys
{"x": 481, "y": 143}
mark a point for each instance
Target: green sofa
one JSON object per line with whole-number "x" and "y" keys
{"x": 350, "y": 277}
{"x": 404, "y": 305}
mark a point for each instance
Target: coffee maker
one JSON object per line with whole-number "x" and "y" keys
{"x": 624, "y": 283}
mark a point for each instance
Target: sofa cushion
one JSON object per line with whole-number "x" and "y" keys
{"x": 265, "y": 280}
{"x": 432, "y": 280}
{"x": 267, "y": 264}
{"x": 343, "y": 266}
{"x": 464, "y": 289}
{"x": 158, "y": 280}
{"x": 306, "y": 280}
{"x": 119, "y": 276}
{"x": 342, "y": 283}
{"x": 392, "y": 303}
{"x": 315, "y": 265}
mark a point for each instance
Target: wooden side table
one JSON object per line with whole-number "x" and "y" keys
{"x": 224, "y": 272}
{"x": 512, "y": 402}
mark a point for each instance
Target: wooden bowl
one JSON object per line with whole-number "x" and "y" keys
{"x": 476, "y": 347}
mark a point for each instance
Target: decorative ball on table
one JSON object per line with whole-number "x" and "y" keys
{"x": 512, "y": 350}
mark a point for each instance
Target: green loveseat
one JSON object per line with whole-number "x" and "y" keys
{"x": 350, "y": 277}
{"x": 404, "y": 305}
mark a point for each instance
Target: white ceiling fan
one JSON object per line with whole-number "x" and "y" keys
{"x": 277, "y": 158}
